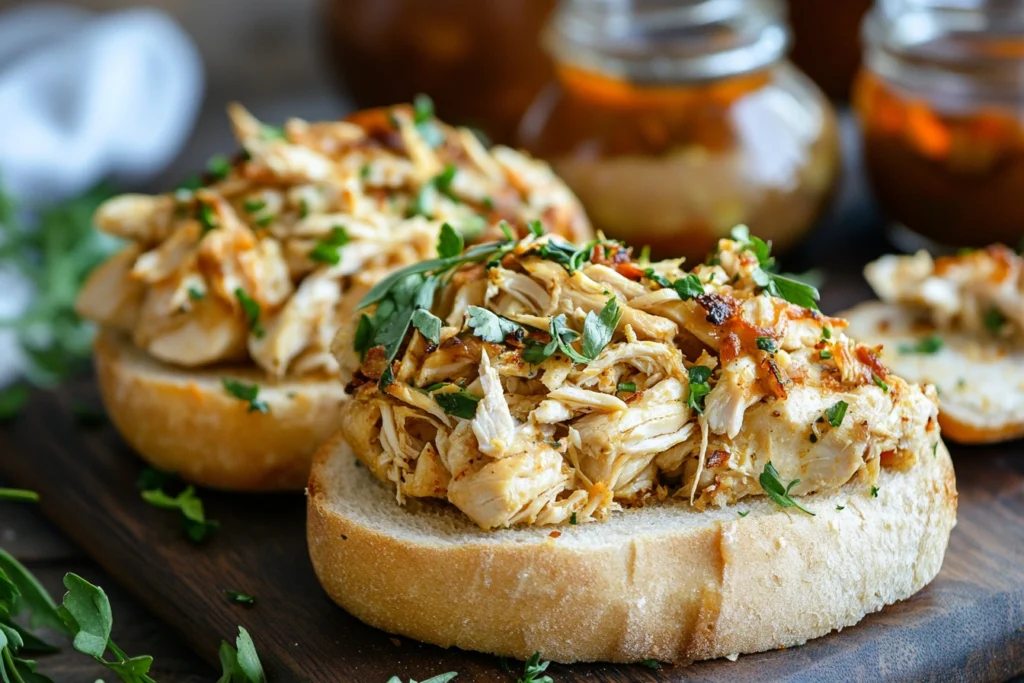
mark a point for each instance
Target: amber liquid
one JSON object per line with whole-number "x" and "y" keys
{"x": 956, "y": 179}
{"x": 480, "y": 61}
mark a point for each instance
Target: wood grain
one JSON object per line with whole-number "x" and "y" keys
{"x": 969, "y": 624}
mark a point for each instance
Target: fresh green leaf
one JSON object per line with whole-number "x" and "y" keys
{"x": 31, "y": 598}
{"x": 536, "y": 353}
{"x": 254, "y": 205}
{"x": 536, "y": 228}
{"x": 776, "y": 491}
{"x": 688, "y": 287}
{"x": 151, "y": 479}
{"x": 246, "y": 392}
{"x": 489, "y": 326}
{"x": 994, "y": 319}
{"x": 626, "y": 387}
{"x": 782, "y": 287}
{"x": 743, "y": 513}
{"x": 572, "y": 519}
{"x": 207, "y": 217}
{"x": 840, "y": 507}
{"x": 760, "y": 248}
{"x": 825, "y": 354}
{"x": 428, "y": 324}
{"x": 874, "y": 492}
{"x": 240, "y": 598}
{"x": 218, "y": 166}
{"x": 935, "y": 449}
{"x": 699, "y": 386}
{"x": 654, "y": 663}
{"x": 251, "y": 309}
{"x": 533, "y": 669}
{"x": 87, "y": 615}
{"x": 880, "y": 382}
{"x": 826, "y": 333}
{"x": 599, "y": 329}
{"x": 328, "y": 250}
{"x": 423, "y": 120}
{"x": 12, "y": 400}
{"x": 196, "y": 294}
{"x": 241, "y": 665}
{"x": 19, "y": 495}
{"x": 656, "y": 278}
{"x": 767, "y": 344}
{"x": 193, "y": 515}
{"x": 449, "y": 242}
{"x": 459, "y": 403}
{"x": 931, "y": 344}
{"x": 443, "y": 182}
{"x": 364, "y": 335}
{"x": 836, "y": 413}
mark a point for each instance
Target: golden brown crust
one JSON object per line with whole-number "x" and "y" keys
{"x": 964, "y": 432}
{"x": 660, "y": 582}
{"x": 183, "y": 421}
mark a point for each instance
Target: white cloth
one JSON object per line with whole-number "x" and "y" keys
{"x": 86, "y": 97}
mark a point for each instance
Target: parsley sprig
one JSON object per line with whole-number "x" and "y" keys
{"x": 775, "y": 490}
{"x": 151, "y": 486}
{"x": 776, "y": 285}
{"x": 240, "y": 664}
{"x": 533, "y": 669}
{"x": 699, "y": 387}
{"x": 459, "y": 402}
{"x": 597, "y": 333}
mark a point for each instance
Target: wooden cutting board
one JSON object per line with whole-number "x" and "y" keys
{"x": 968, "y": 624}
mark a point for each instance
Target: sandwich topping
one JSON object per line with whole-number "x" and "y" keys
{"x": 263, "y": 258}
{"x": 534, "y": 382}
{"x": 980, "y": 292}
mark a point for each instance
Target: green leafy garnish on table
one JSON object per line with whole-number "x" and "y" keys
{"x": 193, "y": 516}
{"x": 240, "y": 664}
{"x": 533, "y": 669}
{"x": 19, "y": 495}
{"x": 240, "y": 598}
{"x": 439, "y": 678}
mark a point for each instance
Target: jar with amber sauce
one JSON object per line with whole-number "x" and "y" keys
{"x": 941, "y": 103}
{"x": 675, "y": 121}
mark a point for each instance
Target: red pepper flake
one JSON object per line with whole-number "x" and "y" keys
{"x": 555, "y": 534}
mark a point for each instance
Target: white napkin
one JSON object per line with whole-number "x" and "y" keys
{"x": 86, "y": 97}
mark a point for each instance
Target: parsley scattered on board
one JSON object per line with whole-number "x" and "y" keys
{"x": 197, "y": 527}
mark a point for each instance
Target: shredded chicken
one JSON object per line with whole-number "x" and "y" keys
{"x": 275, "y": 247}
{"x": 979, "y": 292}
{"x": 696, "y": 389}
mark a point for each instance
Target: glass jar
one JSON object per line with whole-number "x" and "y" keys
{"x": 941, "y": 103}
{"x": 480, "y": 62}
{"x": 675, "y": 121}
{"x": 826, "y": 41}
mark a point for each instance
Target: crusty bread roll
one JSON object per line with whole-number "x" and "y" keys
{"x": 663, "y": 581}
{"x": 182, "y": 420}
{"x": 980, "y": 379}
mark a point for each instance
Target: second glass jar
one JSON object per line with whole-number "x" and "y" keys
{"x": 675, "y": 121}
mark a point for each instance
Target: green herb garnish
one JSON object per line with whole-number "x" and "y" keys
{"x": 699, "y": 387}
{"x": 654, "y": 663}
{"x": 874, "y": 492}
{"x": 240, "y": 664}
{"x": 248, "y": 393}
{"x": 756, "y": 245}
{"x": 627, "y": 387}
{"x": 775, "y": 490}
{"x": 825, "y": 354}
{"x": 826, "y": 333}
{"x": 193, "y": 517}
{"x": 490, "y": 326}
{"x": 240, "y": 598}
{"x": 270, "y": 133}
{"x": 881, "y": 383}
{"x": 836, "y": 413}
{"x": 533, "y": 669}
{"x": 423, "y": 119}
{"x": 688, "y": 286}
{"x": 218, "y": 166}
{"x": 767, "y": 344}
{"x": 536, "y": 228}
{"x": 994, "y": 319}
{"x": 449, "y": 243}
{"x": 19, "y": 495}
{"x": 328, "y": 250}
{"x": 207, "y": 217}
{"x": 251, "y": 309}
{"x": 459, "y": 403}
{"x": 782, "y": 287}
{"x": 743, "y": 513}
{"x": 196, "y": 294}
{"x": 254, "y": 205}
{"x": 930, "y": 344}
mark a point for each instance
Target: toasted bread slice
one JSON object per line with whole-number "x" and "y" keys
{"x": 184, "y": 421}
{"x": 663, "y": 581}
{"x": 980, "y": 380}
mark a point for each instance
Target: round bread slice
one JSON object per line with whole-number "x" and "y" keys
{"x": 182, "y": 420}
{"x": 980, "y": 381}
{"x": 660, "y": 582}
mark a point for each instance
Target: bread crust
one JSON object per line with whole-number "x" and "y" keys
{"x": 975, "y": 376}
{"x": 183, "y": 421}
{"x": 662, "y": 582}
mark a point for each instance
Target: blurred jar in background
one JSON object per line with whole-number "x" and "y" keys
{"x": 941, "y": 103}
{"x": 480, "y": 61}
{"x": 675, "y": 121}
{"x": 826, "y": 41}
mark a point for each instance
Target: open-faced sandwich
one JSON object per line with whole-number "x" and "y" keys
{"x": 569, "y": 450}
{"x": 956, "y": 322}
{"x": 216, "y": 319}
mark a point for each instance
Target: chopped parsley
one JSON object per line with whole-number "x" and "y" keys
{"x": 836, "y": 413}
{"x": 303, "y": 208}
{"x": 597, "y": 332}
{"x": 654, "y": 663}
{"x": 825, "y": 354}
{"x": 459, "y": 403}
{"x": 654, "y": 277}
{"x": 424, "y": 121}
{"x": 246, "y": 392}
{"x": 240, "y": 598}
{"x": 935, "y": 449}
{"x": 207, "y": 217}
{"x": 880, "y": 382}
{"x": 699, "y": 387}
{"x": 193, "y": 517}
{"x": 572, "y": 519}
{"x": 930, "y": 344}
{"x": 874, "y": 492}
{"x": 627, "y": 387}
{"x": 767, "y": 344}
{"x": 743, "y": 513}
{"x": 251, "y": 309}
{"x": 775, "y": 490}
{"x": 426, "y": 322}
{"x": 218, "y": 166}
{"x": 254, "y": 205}
{"x": 782, "y": 287}
{"x": 688, "y": 286}
{"x": 423, "y": 203}
{"x": 269, "y": 133}
{"x": 761, "y": 249}
{"x": 566, "y": 255}
{"x": 840, "y": 507}
{"x": 826, "y": 333}
{"x": 196, "y": 294}
{"x": 328, "y": 250}
{"x": 240, "y": 664}
{"x": 449, "y": 242}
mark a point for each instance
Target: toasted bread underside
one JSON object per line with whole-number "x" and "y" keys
{"x": 663, "y": 582}
{"x": 182, "y": 420}
{"x": 980, "y": 382}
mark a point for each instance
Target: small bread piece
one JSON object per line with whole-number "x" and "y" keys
{"x": 980, "y": 380}
{"x": 660, "y": 582}
{"x": 182, "y": 420}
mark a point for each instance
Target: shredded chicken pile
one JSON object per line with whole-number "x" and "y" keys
{"x": 977, "y": 292}
{"x": 546, "y": 441}
{"x": 264, "y": 259}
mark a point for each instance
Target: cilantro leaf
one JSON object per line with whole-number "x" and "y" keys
{"x": 688, "y": 287}
{"x": 836, "y": 413}
{"x": 246, "y": 392}
{"x": 792, "y": 291}
{"x": 251, "y": 309}
{"x": 193, "y": 516}
{"x": 428, "y": 324}
{"x": 490, "y": 326}
{"x": 599, "y": 329}
{"x": 699, "y": 386}
{"x": 449, "y": 242}
{"x": 241, "y": 665}
{"x": 536, "y": 353}
{"x": 776, "y": 491}
{"x": 459, "y": 403}
{"x": 533, "y": 669}
{"x": 19, "y": 495}
{"x": 874, "y": 492}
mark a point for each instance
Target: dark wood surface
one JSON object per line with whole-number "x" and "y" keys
{"x": 967, "y": 625}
